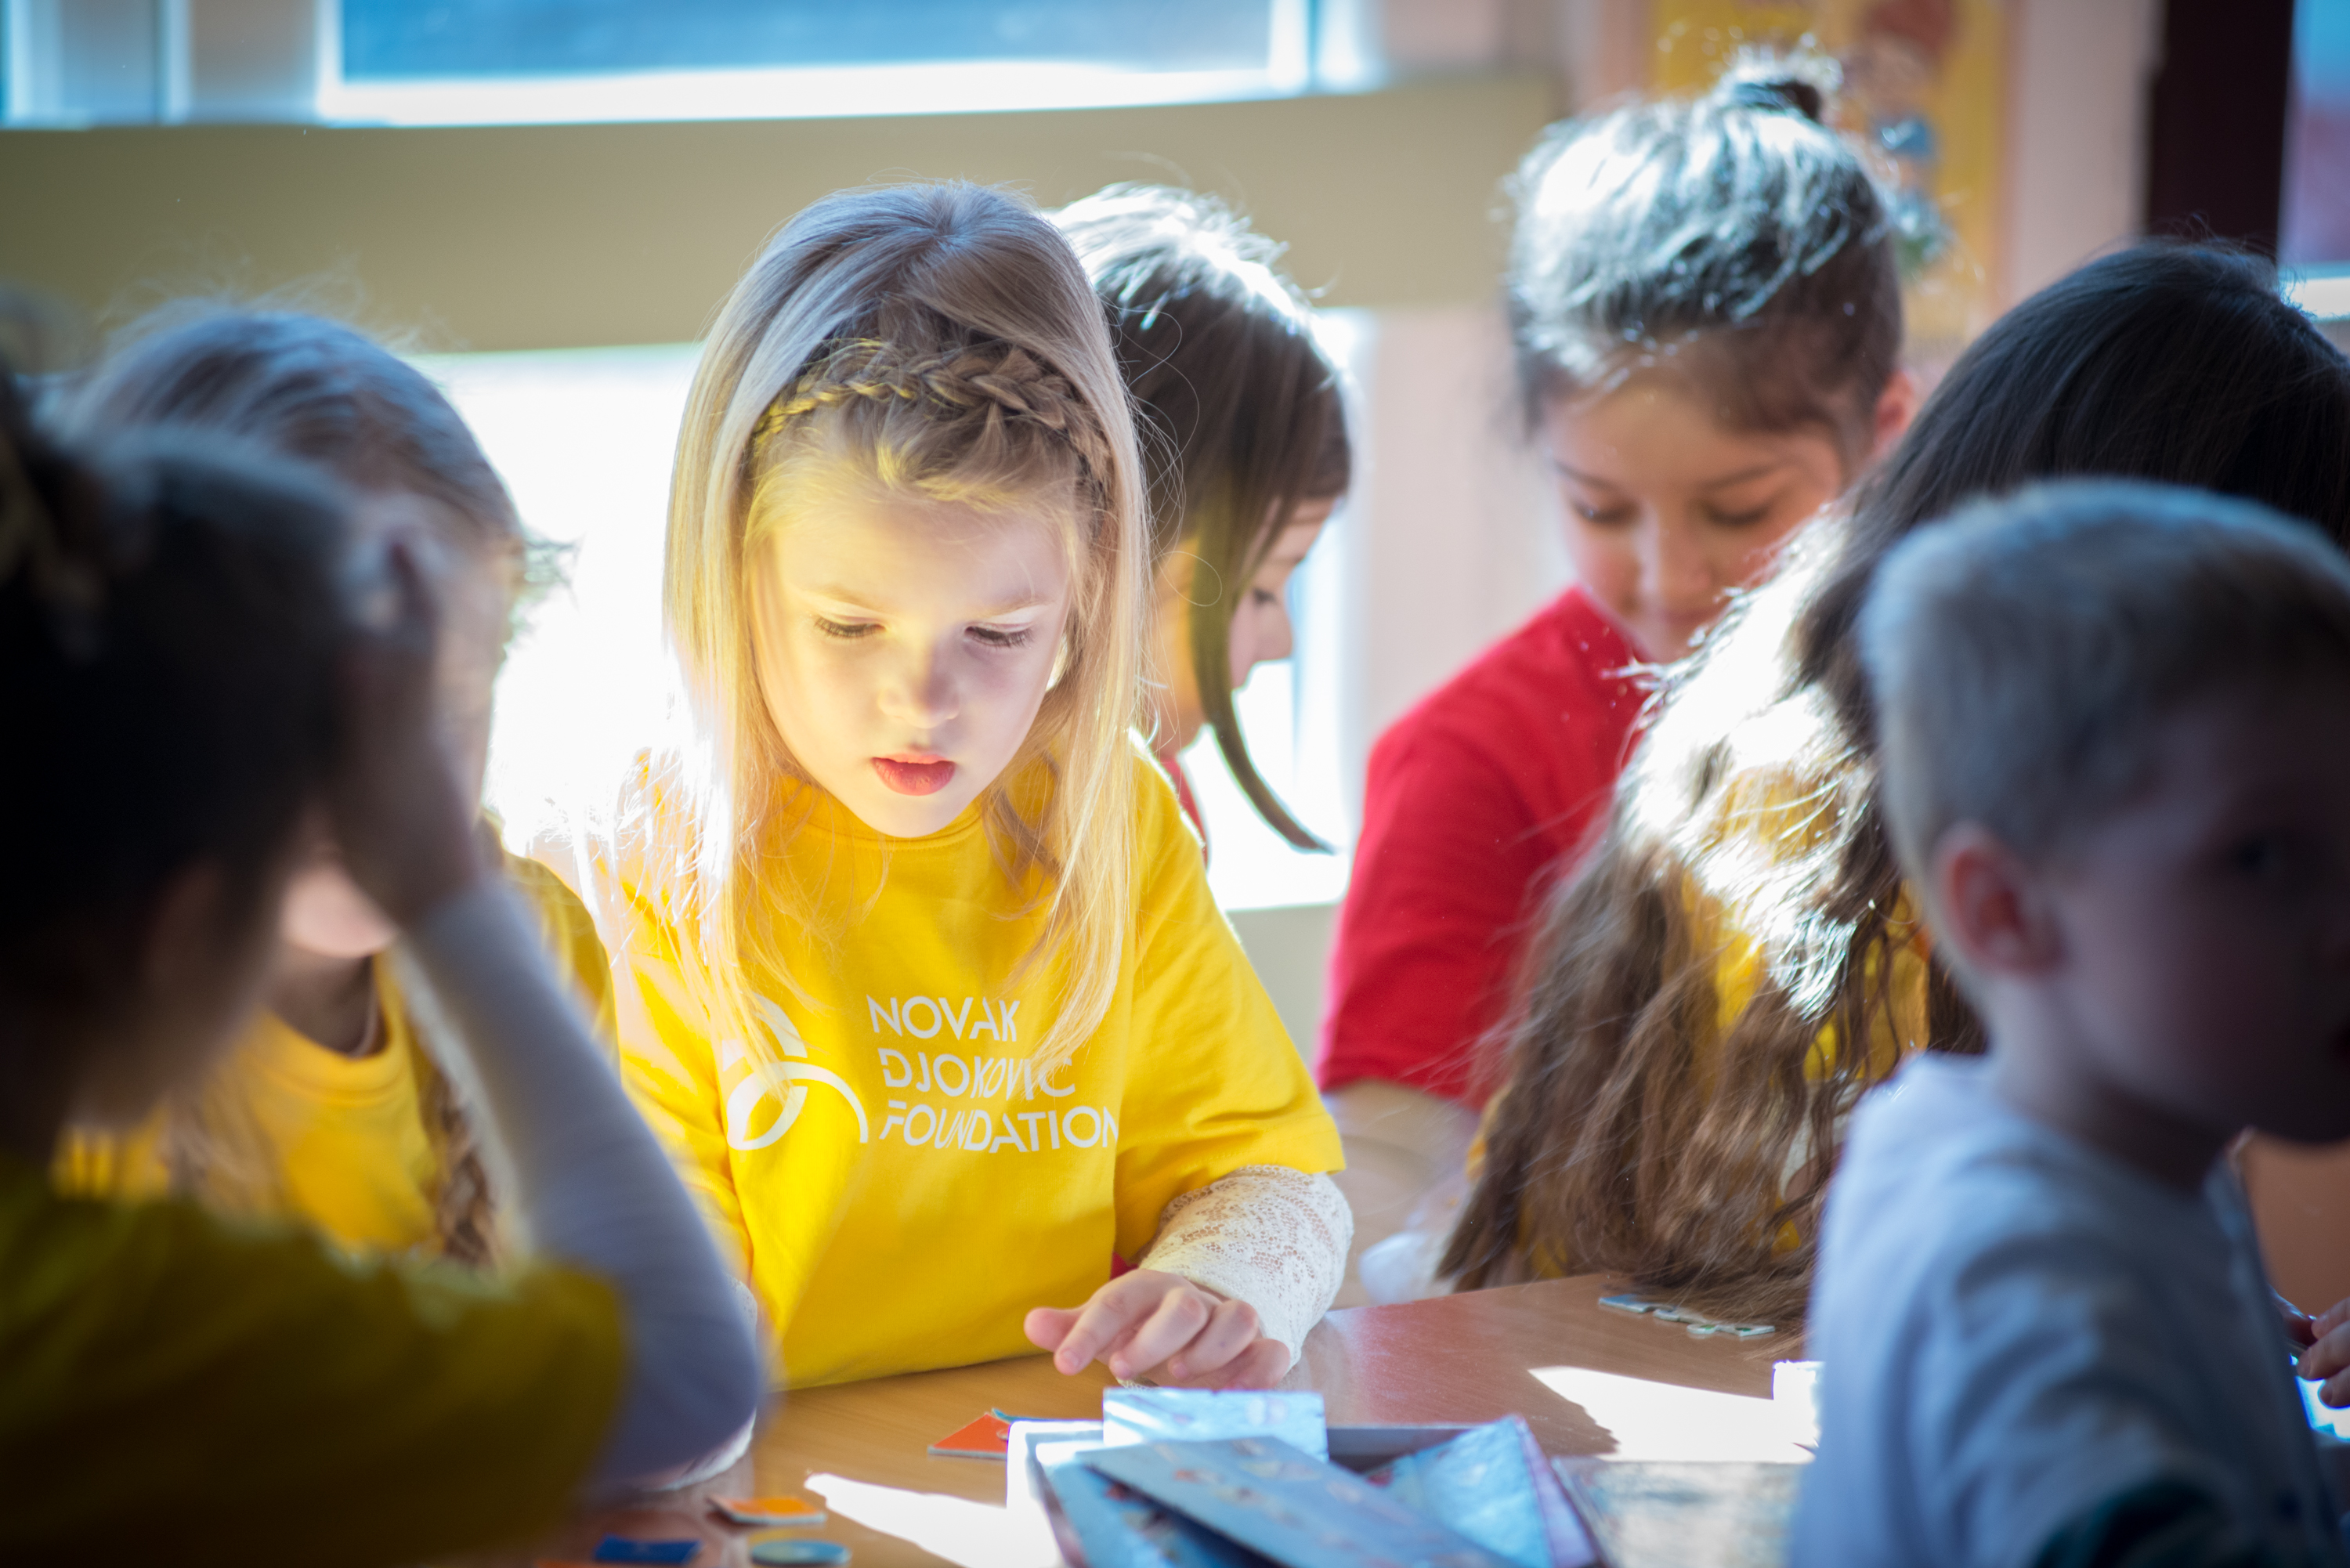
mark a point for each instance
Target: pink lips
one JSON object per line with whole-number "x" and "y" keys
{"x": 914, "y": 774}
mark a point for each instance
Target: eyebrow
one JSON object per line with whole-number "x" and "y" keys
{"x": 1722, "y": 482}
{"x": 844, "y": 596}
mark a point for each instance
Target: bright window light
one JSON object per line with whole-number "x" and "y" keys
{"x": 536, "y": 61}
{"x": 2315, "y": 222}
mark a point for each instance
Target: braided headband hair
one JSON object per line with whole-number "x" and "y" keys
{"x": 999, "y": 382}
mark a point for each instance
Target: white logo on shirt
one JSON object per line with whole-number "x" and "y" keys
{"x": 786, "y": 1080}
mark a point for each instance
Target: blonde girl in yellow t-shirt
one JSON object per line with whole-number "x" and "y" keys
{"x": 334, "y": 1108}
{"x": 917, "y": 970}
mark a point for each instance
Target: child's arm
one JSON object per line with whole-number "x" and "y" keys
{"x": 595, "y": 1189}
{"x": 1241, "y": 1269}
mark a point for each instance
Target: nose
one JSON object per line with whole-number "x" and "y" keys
{"x": 1677, "y": 570}
{"x": 1275, "y": 639}
{"x": 918, "y": 690}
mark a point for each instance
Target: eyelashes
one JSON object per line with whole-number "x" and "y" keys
{"x": 985, "y": 636}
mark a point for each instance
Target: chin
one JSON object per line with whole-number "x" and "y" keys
{"x": 904, "y": 816}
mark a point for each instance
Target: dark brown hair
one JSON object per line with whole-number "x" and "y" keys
{"x": 1733, "y": 238}
{"x": 1237, "y": 407}
{"x": 324, "y": 392}
{"x": 1640, "y": 1132}
{"x": 169, "y": 628}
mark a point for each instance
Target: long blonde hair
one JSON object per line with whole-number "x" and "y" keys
{"x": 943, "y": 340}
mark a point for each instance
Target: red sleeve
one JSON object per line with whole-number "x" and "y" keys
{"x": 1434, "y": 917}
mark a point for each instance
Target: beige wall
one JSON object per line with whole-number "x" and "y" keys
{"x": 542, "y": 236}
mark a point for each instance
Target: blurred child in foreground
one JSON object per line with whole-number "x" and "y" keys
{"x": 337, "y": 1107}
{"x": 2114, "y": 753}
{"x": 206, "y": 668}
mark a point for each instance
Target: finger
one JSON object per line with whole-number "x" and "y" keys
{"x": 2328, "y": 1356}
{"x": 2298, "y": 1327}
{"x": 1181, "y": 1311}
{"x": 1102, "y": 1321}
{"x": 2336, "y": 1392}
{"x": 1046, "y": 1327}
{"x": 1261, "y": 1366}
{"x": 2332, "y": 1318}
{"x": 1232, "y": 1328}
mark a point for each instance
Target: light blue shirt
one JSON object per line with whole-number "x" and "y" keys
{"x": 2015, "y": 1327}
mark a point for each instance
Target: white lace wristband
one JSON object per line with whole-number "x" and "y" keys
{"x": 1267, "y": 1235}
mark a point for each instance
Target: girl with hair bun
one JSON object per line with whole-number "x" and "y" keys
{"x": 1243, "y": 442}
{"x": 1707, "y": 318}
{"x": 1738, "y": 960}
{"x": 917, "y": 971}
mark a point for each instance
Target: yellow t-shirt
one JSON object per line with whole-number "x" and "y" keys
{"x": 286, "y": 1128}
{"x": 207, "y": 1390}
{"x": 896, "y": 1183}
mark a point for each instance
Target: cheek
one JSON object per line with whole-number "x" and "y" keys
{"x": 326, "y": 913}
{"x": 1604, "y": 560}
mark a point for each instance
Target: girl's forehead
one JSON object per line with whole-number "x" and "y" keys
{"x": 1662, "y": 423}
{"x": 874, "y": 545}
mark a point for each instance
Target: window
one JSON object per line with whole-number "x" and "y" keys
{"x": 448, "y": 62}
{"x": 396, "y": 40}
{"x": 477, "y": 61}
{"x": 2316, "y": 226}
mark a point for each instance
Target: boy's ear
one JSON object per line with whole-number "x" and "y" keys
{"x": 1992, "y": 906}
{"x": 1895, "y": 406}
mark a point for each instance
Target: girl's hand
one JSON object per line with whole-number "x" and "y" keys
{"x": 1166, "y": 1326}
{"x": 2328, "y": 1355}
{"x": 394, "y": 803}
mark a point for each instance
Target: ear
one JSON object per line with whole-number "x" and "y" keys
{"x": 1895, "y": 406}
{"x": 1993, "y": 907}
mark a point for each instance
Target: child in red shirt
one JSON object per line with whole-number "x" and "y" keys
{"x": 1707, "y": 316}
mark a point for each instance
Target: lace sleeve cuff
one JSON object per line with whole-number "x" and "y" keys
{"x": 1270, "y": 1235}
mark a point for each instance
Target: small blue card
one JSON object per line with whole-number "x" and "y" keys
{"x": 620, "y": 1549}
{"x": 1206, "y": 1414}
{"x": 1480, "y": 1485}
{"x": 1120, "y": 1528}
{"x": 1299, "y": 1510}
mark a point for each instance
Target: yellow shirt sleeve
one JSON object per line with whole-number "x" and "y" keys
{"x": 571, "y": 939}
{"x": 1217, "y": 1083}
{"x": 669, "y": 1066}
{"x": 241, "y": 1394}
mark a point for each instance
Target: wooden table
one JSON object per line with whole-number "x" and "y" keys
{"x": 1457, "y": 1358}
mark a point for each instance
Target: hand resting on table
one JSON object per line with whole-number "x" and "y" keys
{"x": 1147, "y": 1323}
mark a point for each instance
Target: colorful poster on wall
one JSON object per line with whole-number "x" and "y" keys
{"x": 1924, "y": 90}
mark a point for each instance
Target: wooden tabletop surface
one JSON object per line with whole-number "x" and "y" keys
{"x": 1471, "y": 1357}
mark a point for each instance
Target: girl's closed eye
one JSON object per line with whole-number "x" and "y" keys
{"x": 847, "y": 631}
{"x": 1003, "y": 636}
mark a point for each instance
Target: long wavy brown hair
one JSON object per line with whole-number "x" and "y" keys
{"x": 1653, "y": 1123}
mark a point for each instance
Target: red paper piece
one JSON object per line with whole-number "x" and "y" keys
{"x": 988, "y": 1438}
